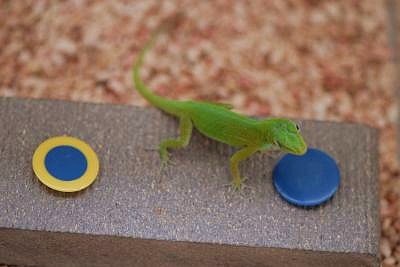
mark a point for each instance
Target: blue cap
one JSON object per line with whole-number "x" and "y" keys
{"x": 65, "y": 163}
{"x": 306, "y": 180}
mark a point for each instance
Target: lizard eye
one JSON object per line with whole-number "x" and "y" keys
{"x": 297, "y": 127}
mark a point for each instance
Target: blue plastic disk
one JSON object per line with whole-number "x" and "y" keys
{"x": 306, "y": 180}
{"x": 65, "y": 163}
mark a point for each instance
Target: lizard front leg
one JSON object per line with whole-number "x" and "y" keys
{"x": 240, "y": 155}
{"x": 185, "y": 129}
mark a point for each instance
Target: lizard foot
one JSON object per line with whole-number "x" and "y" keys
{"x": 239, "y": 185}
{"x": 165, "y": 160}
{"x": 241, "y": 189}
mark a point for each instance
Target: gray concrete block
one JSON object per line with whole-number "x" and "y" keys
{"x": 134, "y": 216}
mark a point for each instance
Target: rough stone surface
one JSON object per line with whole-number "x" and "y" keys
{"x": 135, "y": 215}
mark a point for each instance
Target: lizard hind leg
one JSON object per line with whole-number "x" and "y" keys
{"x": 185, "y": 129}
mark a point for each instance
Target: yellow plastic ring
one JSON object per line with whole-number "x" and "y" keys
{"x": 89, "y": 170}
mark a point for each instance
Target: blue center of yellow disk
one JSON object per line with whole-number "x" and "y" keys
{"x": 66, "y": 163}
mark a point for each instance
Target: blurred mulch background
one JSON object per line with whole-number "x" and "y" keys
{"x": 311, "y": 59}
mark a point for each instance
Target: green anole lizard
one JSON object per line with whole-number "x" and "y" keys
{"x": 218, "y": 122}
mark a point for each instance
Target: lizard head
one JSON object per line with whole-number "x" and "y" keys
{"x": 286, "y": 135}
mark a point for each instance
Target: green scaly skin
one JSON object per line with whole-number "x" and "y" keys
{"x": 218, "y": 122}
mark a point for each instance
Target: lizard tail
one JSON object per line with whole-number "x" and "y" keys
{"x": 167, "y": 105}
